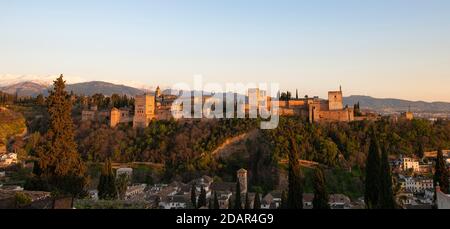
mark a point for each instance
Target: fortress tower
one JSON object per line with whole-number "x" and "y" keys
{"x": 335, "y": 100}
{"x": 242, "y": 179}
{"x": 114, "y": 117}
{"x": 144, "y": 110}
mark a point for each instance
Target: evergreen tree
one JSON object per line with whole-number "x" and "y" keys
{"x": 210, "y": 205}
{"x": 59, "y": 162}
{"x": 295, "y": 194}
{"x": 107, "y": 189}
{"x": 257, "y": 202}
{"x": 386, "y": 197}
{"x": 284, "y": 198}
{"x": 420, "y": 150}
{"x": 230, "y": 204}
{"x": 122, "y": 185}
{"x": 296, "y": 94}
{"x": 321, "y": 197}
{"x": 193, "y": 196}
{"x": 216, "y": 201}
{"x": 372, "y": 186}
{"x": 441, "y": 174}
{"x": 247, "y": 202}
{"x": 237, "y": 199}
{"x": 202, "y": 198}
{"x": 40, "y": 100}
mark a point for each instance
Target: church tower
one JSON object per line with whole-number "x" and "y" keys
{"x": 158, "y": 92}
{"x": 242, "y": 179}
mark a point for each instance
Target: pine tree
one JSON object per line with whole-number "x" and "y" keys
{"x": 295, "y": 192}
{"x": 372, "y": 186}
{"x": 216, "y": 201}
{"x": 247, "y": 202}
{"x": 441, "y": 174}
{"x": 321, "y": 197}
{"x": 257, "y": 202}
{"x": 237, "y": 199}
{"x": 59, "y": 162}
{"x": 202, "y": 198}
{"x": 193, "y": 196}
{"x": 386, "y": 197}
{"x": 107, "y": 189}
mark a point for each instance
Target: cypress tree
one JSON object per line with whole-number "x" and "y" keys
{"x": 284, "y": 198}
{"x": 59, "y": 161}
{"x": 295, "y": 192}
{"x": 372, "y": 186}
{"x": 321, "y": 197}
{"x": 247, "y": 202}
{"x": 193, "y": 196}
{"x": 441, "y": 173}
{"x": 202, "y": 198}
{"x": 230, "y": 203}
{"x": 237, "y": 199}
{"x": 386, "y": 197}
{"x": 210, "y": 205}
{"x": 257, "y": 202}
{"x": 216, "y": 201}
{"x": 107, "y": 189}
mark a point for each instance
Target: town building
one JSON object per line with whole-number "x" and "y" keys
{"x": 127, "y": 171}
{"x": 409, "y": 163}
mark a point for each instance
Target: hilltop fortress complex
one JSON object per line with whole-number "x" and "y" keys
{"x": 157, "y": 106}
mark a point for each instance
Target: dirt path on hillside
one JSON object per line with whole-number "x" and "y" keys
{"x": 234, "y": 145}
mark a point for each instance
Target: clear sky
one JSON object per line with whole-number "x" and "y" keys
{"x": 382, "y": 48}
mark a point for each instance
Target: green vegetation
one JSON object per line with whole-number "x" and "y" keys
{"x": 441, "y": 174}
{"x": 295, "y": 190}
{"x": 372, "y": 190}
{"x": 386, "y": 196}
{"x": 22, "y": 199}
{"x": 11, "y": 124}
{"x": 320, "y": 191}
{"x": 107, "y": 189}
{"x": 60, "y": 168}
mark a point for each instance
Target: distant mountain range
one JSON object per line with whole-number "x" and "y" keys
{"x": 26, "y": 89}
{"x": 34, "y": 88}
{"x": 396, "y": 105}
{"x": 90, "y": 88}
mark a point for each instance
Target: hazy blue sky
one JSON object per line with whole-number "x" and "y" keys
{"x": 382, "y": 48}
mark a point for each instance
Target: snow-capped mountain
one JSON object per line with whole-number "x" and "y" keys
{"x": 47, "y": 80}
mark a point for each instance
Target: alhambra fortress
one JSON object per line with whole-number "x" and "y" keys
{"x": 157, "y": 106}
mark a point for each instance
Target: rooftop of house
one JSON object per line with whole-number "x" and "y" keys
{"x": 223, "y": 186}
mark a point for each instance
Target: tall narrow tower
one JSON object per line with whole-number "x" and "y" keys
{"x": 158, "y": 92}
{"x": 242, "y": 179}
{"x": 144, "y": 110}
